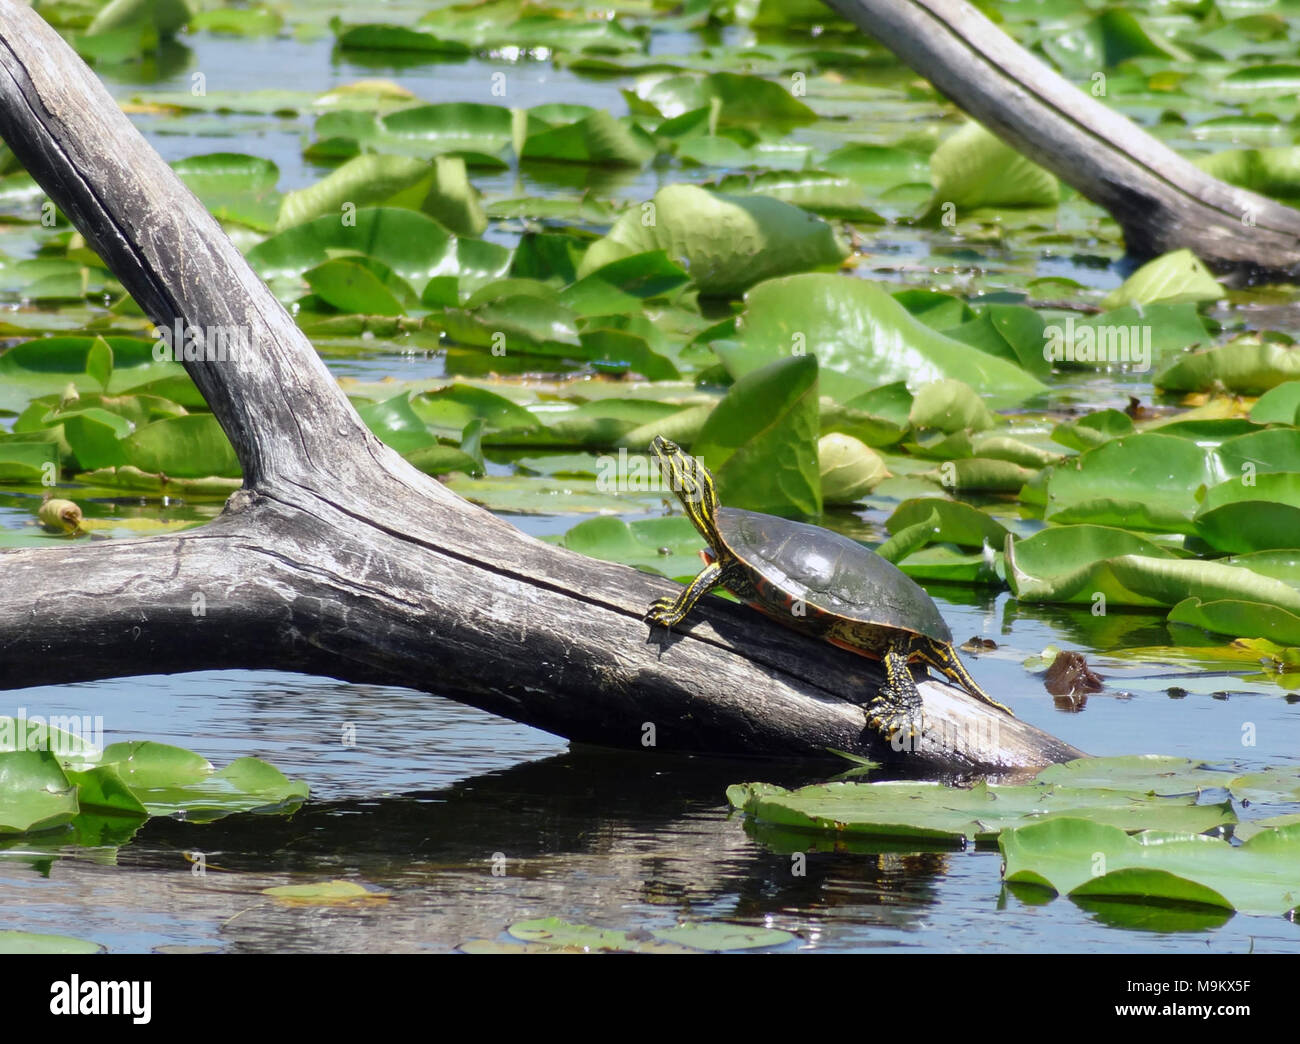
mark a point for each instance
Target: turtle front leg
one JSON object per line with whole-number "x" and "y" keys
{"x": 668, "y": 611}
{"x": 944, "y": 657}
{"x": 897, "y": 706}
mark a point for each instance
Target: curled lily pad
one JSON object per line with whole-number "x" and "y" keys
{"x": 974, "y": 169}
{"x": 1254, "y": 515}
{"x": 1240, "y": 618}
{"x": 1278, "y": 405}
{"x": 934, "y": 812}
{"x": 35, "y": 794}
{"x": 736, "y": 101}
{"x": 761, "y": 440}
{"x": 948, "y": 521}
{"x": 1176, "y": 276}
{"x": 849, "y": 469}
{"x": 1248, "y": 365}
{"x": 1146, "y": 481}
{"x": 725, "y": 243}
{"x": 1077, "y": 857}
{"x": 949, "y": 406}
{"x": 863, "y": 338}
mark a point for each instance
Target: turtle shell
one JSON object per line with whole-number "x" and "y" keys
{"x": 829, "y": 573}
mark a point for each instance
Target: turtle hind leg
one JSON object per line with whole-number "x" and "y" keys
{"x": 944, "y": 657}
{"x": 669, "y": 611}
{"x": 897, "y": 706}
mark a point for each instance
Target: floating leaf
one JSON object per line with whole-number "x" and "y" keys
{"x": 35, "y": 795}
{"x": 761, "y": 440}
{"x": 1176, "y": 276}
{"x": 739, "y": 101}
{"x": 849, "y": 469}
{"x": 974, "y": 169}
{"x": 668, "y": 546}
{"x": 31, "y": 943}
{"x": 862, "y": 337}
{"x": 1254, "y": 515}
{"x": 1246, "y": 365}
{"x": 938, "y": 813}
{"x": 326, "y": 893}
{"x": 725, "y": 243}
{"x": 1145, "y": 481}
{"x": 1076, "y": 857}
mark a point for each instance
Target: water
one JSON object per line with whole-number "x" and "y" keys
{"x": 434, "y": 794}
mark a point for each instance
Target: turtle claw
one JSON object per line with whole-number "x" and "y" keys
{"x": 663, "y": 612}
{"x": 893, "y": 719}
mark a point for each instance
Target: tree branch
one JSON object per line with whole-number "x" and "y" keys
{"x": 339, "y": 558}
{"x": 1161, "y": 200}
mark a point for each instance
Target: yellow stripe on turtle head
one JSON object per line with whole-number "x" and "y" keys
{"x": 690, "y": 480}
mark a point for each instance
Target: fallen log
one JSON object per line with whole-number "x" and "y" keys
{"x": 1161, "y": 201}
{"x": 339, "y": 558}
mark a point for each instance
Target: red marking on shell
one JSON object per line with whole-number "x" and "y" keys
{"x": 840, "y": 643}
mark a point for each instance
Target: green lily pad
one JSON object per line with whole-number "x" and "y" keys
{"x": 234, "y": 186}
{"x": 949, "y": 406}
{"x": 1239, "y": 618}
{"x": 1246, "y": 365}
{"x": 1271, "y": 171}
{"x": 1158, "y": 774}
{"x": 1258, "y": 515}
{"x": 1278, "y": 405}
{"x": 938, "y": 813}
{"x": 413, "y": 245}
{"x": 947, "y": 521}
{"x": 35, "y": 795}
{"x": 726, "y": 243}
{"x": 1145, "y": 481}
{"x": 1078, "y": 857}
{"x": 193, "y": 446}
{"x": 668, "y": 546}
{"x": 863, "y": 338}
{"x": 47, "y": 365}
{"x": 760, "y": 441}
{"x": 1176, "y": 276}
{"x": 738, "y": 101}
{"x": 245, "y": 785}
{"x": 31, "y": 942}
{"x": 974, "y": 169}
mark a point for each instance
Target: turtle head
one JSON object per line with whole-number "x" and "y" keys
{"x": 691, "y": 481}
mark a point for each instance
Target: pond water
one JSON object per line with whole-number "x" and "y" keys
{"x": 432, "y": 792}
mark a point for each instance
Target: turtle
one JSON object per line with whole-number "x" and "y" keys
{"x": 818, "y": 582}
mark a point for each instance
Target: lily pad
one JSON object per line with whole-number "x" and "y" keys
{"x": 938, "y": 813}
{"x": 1077, "y": 857}
{"x": 863, "y": 338}
{"x": 760, "y": 441}
{"x": 725, "y": 243}
{"x": 1176, "y": 276}
{"x": 35, "y": 795}
{"x": 32, "y": 942}
{"x": 326, "y": 893}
